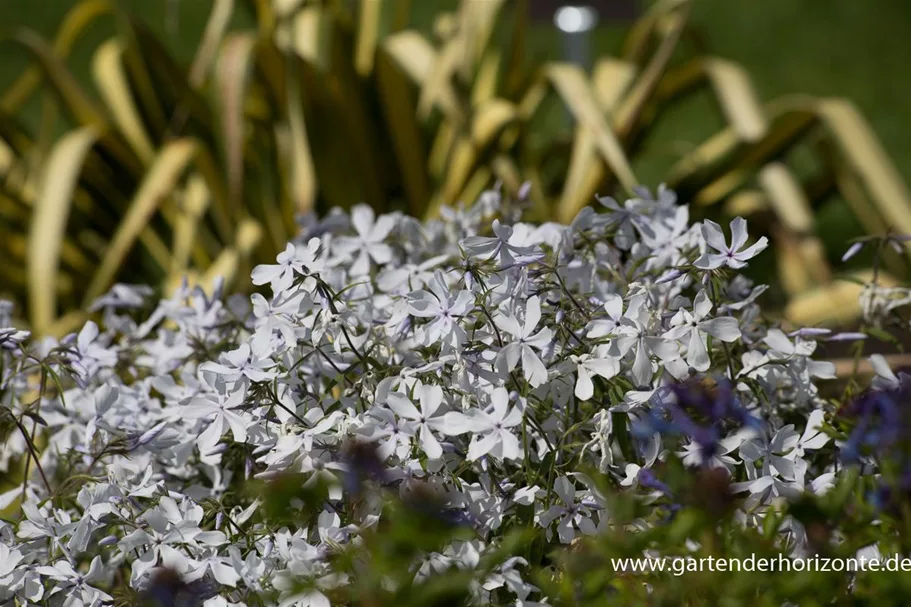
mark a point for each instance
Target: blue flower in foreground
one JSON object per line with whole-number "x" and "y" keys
{"x": 702, "y": 410}
{"x": 883, "y": 422}
{"x": 882, "y": 431}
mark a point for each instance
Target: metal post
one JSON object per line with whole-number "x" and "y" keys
{"x": 576, "y": 23}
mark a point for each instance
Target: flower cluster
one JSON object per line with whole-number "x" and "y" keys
{"x": 477, "y": 366}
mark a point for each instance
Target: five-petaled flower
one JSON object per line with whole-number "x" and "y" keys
{"x": 733, "y": 256}
{"x": 526, "y": 342}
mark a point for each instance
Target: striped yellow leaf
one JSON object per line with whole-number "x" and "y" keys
{"x": 398, "y": 98}
{"x": 729, "y": 84}
{"x": 643, "y": 30}
{"x": 229, "y": 262}
{"x": 437, "y": 83}
{"x": 64, "y": 84}
{"x": 303, "y": 185}
{"x": 476, "y": 25}
{"x": 232, "y": 77}
{"x": 611, "y": 79}
{"x": 52, "y": 209}
{"x": 370, "y": 15}
{"x": 195, "y": 201}
{"x": 159, "y": 183}
{"x": 834, "y": 304}
{"x": 212, "y": 36}
{"x": 866, "y": 157}
{"x": 112, "y": 83}
{"x": 630, "y": 109}
{"x": 574, "y": 90}
{"x": 786, "y": 197}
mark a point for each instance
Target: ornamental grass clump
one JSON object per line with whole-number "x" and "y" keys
{"x": 441, "y": 412}
{"x": 149, "y": 167}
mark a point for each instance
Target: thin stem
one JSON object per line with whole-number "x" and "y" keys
{"x": 34, "y": 454}
{"x": 330, "y": 297}
{"x": 275, "y": 401}
{"x": 31, "y": 438}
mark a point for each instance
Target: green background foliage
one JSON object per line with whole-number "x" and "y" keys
{"x": 840, "y": 48}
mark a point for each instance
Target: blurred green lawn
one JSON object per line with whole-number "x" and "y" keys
{"x": 857, "y": 49}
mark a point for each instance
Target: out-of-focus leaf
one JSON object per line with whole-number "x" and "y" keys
{"x": 476, "y": 184}
{"x": 640, "y": 34}
{"x": 517, "y": 48}
{"x": 867, "y": 159}
{"x": 462, "y": 160}
{"x": 269, "y": 11}
{"x": 7, "y": 157}
{"x": 75, "y": 23}
{"x": 112, "y": 82}
{"x": 339, "y": 116}
{"x": 370, "y": 15}
{"x": 195, "y": 202}
{"x": 440, "y": 149}
{"x": 365, "y": 141}
{"x": 141, "y": 54}
{"x": 310, "y": 36}
{"x": 476, "y": 25}
{"x": 724, "y": 162}
{"x": 571, "y": 86}
{"x": 170, "y": 164}
{"x": 833, "y": 304}
{"x": 162, "y": 87}
{"x": 232, "y": 78}
{"x": 413, "y": 54}
{"x": 15, "y": 134}
{"x": 489, "y": 122}
{"x": 747, "y": 203}
{"x": 322, "y": 92}
{"x": 401, "y": 15}
{"x": 229, "y": 261}
{"x": 52, "y": 209}
{"x": 437, "y": 78}
{"x": 303, "y": 175}
{"x": 398, "y": 99}
{"x": 212, "y": 37}
{"x": 801, "y": 255}
{"x": 630, "y": 109}
{"x": 79, "y": 106}
{"x": 506, "y": 171}
{"x": 852, "y": 189}
{"x": 731, "y": 87}
{"x": 611, "y": 79}
{"x": 796, "y": 257}
{"x": 68, "y": 323}
{"x": 584, "y": 174}
{"x": 64, "y": 84}
{"x": 787, "y": 197}
{"x": 485, "y": 82}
